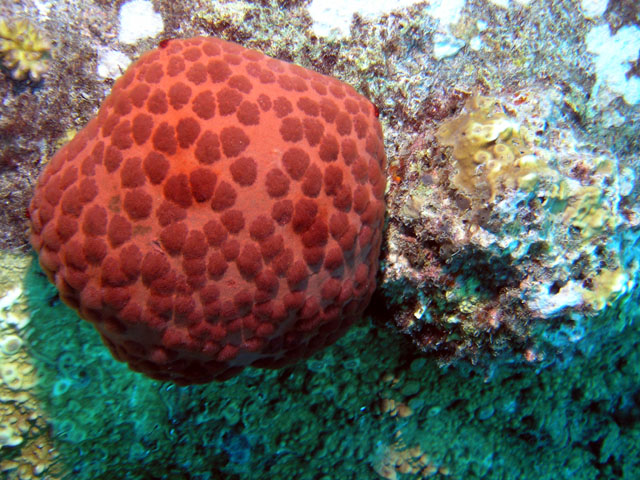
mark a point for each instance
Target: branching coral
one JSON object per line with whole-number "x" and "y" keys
{"x": 23, "y": 49}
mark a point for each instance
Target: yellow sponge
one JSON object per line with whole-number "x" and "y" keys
{"x": 491, "y": 149}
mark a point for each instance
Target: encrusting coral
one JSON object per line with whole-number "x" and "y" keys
{"x": 397, "y": 459}
{"x": 492, "y": 150}
{"x": 224, "y": 209}
{"x": 26, "y": 450}
{"x": 23, "y": 49}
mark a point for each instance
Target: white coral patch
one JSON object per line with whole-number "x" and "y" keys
{"x": 111, "y": 63}
{"x": 138, "y": 20}
{"x": 547, "y": 304}
{"x": 593, "y": 8}
{"x": 10, "y": 298}
{"x": 614, "y": 55}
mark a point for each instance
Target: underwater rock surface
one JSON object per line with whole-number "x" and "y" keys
{"x": 519, "y": 237}
{"x": 553, "y": 349}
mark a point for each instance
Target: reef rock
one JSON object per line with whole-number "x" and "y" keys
{"x": 507, "y": 232}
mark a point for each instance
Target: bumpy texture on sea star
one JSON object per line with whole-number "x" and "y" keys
{"x": 224, "y": 209}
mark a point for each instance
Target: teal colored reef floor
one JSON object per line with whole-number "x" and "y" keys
{"x": 365, "y": 408}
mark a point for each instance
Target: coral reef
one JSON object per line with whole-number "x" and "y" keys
{"x": 372, "y": 399}
{"x": 224, "y": 209}
{"x": 397, "y": 458}
{"x": 23, "y": 49}
{"x": 26, "y": 449}
{"x": 491, "y": 151}
{"x": 515, "y": 233}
